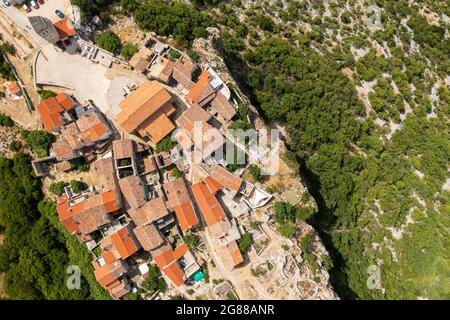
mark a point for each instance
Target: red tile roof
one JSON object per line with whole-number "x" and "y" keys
{"x": 14, "y": 88}
{"x": 50, "y": 111}
{"x": 226, "y": 178}
{"x": 125, "y": 242}
{"x": 209, "y": 206}
{"x": 133, "y": 191}
{"x": 179, "y": 200}
{"x": 202, "y": 92}
{"x": 166, "y": 259}
{"x": 149, "y": 236}
{"x": 151, "y": 211}
{"x": 64, "y": 28}
{"x": 230, "y": 254}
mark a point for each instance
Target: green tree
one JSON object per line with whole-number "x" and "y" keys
{"x": 128, "y": 50}
{"x": 57, "y": 188}
{"x": 109, "y": 41}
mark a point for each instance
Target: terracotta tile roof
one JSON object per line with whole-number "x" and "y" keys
{"x": 50, "y": 112}
{"x": 202, "y": 92}
{"x": 133, "y": 191}
{"x": 93, "y": 127}
{"x": 209, "y": 206}
{"x": 212, "y": 184}
{"x": 141, "y": 104}
{"x": 151, "y": 211}
{"x": 149, "y": 236}
{"x": 65, "y": 101}
{"x": 91, "y": 213}
{"x": 156, "y": 127}
{"x": 140, "y": 59}
{"x": 14, "y": 88}
{"x": 230, "y": 254}
{"x": 63, "y": 166}
{"x": 123, "y": 149}
{"x": 108, "y": 274}
{"x": 125, "y": 242}
{"x": 65, "y": 28}
{"x": 166, "y": 260}
{"x": 175, "y": 274}
{"x": 220, "y": 229}
{"x": 149, "y": 164}
{"x": 226, "y": 178}
{"x": 223, "y": 107}
{"x": 162, "y": 69}
{"x": 179, "y": 200}
{"x": 62, "y": 150}
{"x": 71, "y": 135}
{"x": 194, "y": 113}
{"x": 182, "y": 73}
{"x": 105, "y": 173}
{"x": 119, "y": 290}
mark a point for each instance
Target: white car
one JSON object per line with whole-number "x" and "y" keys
{"x": 34, "y": 4}
{"x": 26, "y": 8}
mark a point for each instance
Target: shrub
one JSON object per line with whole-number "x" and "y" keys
{"x": 57, "y": 188}
{"x": 108, "y": 41}
{"x": 255, "y": 172}
{"x": 6, "y": 121}
{"x": 245, "y": 242}
{"x": 77, "y": 186}
{"x": 129, "y": 50}
{"x": 15, "y": 146}
{"x": 39, "y": 141}
{"x": 45, "y": 94}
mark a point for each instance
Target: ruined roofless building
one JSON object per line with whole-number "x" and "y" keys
{"x": 44, "y": 28}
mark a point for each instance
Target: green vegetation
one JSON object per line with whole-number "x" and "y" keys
{"x": 172, "y": 18}
{"x": 154, "y": 282}
{"x": 368, "y": 181}
{"x": 39, "y": 141}
{"x": 176, "y": 173}
{"x": 15, "y": 146}
{"x": 245, "y": 242}
{"x": 6, "y": 71}
{"x": 174, "y": 55}
{"x": 165, "y": 145}
{"x": 34, "y": 255}
{"x": 45, "y": 94}
{"x": 231, "y": 296}
{"x": 109, "y": 41}
{"x": 128, "y": 50}
{"x": 77, "y": 186}
{"x": 192, "y": 241}
{"x": 57, "y": 188}
{"x": 255, "y": 172}
{"x": 6, "y": 121}
{"x": 79, "y": 164}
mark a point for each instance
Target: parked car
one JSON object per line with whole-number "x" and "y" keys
{"x": 41, "y": 2}
{"x": 6, "y": 3}
{"x": 34, "y": 4}
{"x": 26, "y": 8}
{"x": 59, "y": 14}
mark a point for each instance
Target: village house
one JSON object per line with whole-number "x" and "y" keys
{"x": 88, "y": 134}
{"x": 56, "y": 112}
{"x": 182, "y": 74}
{"x": 161, "y": 69}
{"x": 179, "y": 201}
{"x": 206, "y": 95}
{"x": 147, "y": 111}
{"x": 141, "y": 59}
{"x": 109, "y": 273}
{"x": 52, "y": 32}
{"x": 14, "y": 89}
{"x": 223, "y": 232}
